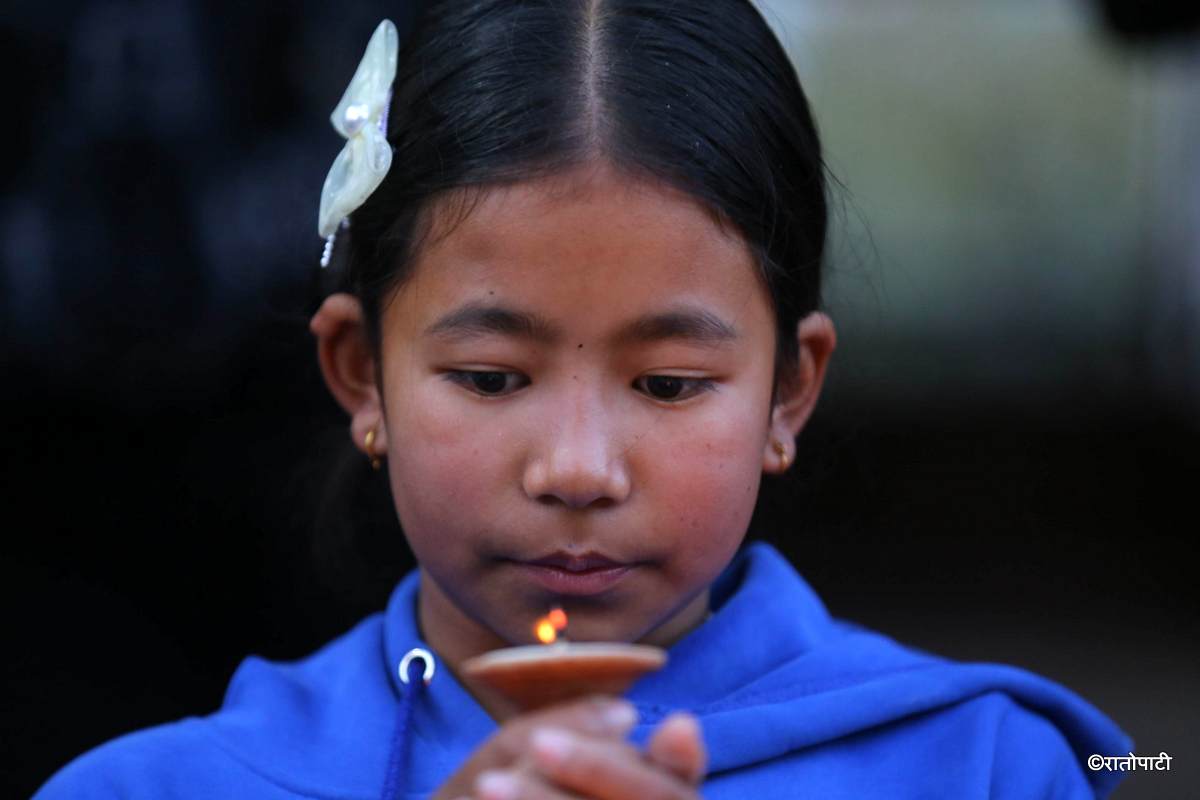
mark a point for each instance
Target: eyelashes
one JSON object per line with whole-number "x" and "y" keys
{"x": 497, "y": 383}
{"x": 487, "y": 382}
{"x": 673, "y": 388}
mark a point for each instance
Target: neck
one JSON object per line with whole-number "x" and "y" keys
{"x": 679, "y": 624}
{"x": 453, "y": 635}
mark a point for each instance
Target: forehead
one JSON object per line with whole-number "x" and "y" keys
{"x": 580, "y": 246}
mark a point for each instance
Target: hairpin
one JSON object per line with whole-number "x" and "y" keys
{"x": 361, "y": 117}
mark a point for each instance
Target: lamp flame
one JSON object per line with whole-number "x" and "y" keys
{"x": 546, "y": 629}
{"x": 545, "y": 632}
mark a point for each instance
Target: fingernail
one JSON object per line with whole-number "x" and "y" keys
{"x": 551, "y": 746}
{"x": 495, "y": 785}
{"x": 619, "y": 716}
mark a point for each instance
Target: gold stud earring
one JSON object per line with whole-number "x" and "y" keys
{"x": 781, "y": 451}
{"x": 370, "y": 443}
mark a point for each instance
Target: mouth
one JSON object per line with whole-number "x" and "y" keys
{"x": 566, "y": 574}
{"x": 584, "y": 562}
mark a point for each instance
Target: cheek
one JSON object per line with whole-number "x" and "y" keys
{"x": 708, "y": 484}
{"x": 443, "y": 469}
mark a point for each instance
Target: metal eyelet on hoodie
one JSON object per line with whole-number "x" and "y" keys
{"x": 424, "y": 655}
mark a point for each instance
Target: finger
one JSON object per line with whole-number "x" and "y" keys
{"x": 513, "y": 785}
{"x": 602, "y": 769}
{"x": 597, "y": 716}
{"x": 678, "y": 745}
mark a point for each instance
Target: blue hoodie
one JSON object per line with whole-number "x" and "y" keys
{"x": 792, "y": 703}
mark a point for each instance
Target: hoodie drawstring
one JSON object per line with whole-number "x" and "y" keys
{"x": 409, "y": 691}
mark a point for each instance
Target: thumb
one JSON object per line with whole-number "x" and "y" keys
{"x": 678, "y": 746}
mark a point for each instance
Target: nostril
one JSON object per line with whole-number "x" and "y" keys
{"x": 555, "y": 500}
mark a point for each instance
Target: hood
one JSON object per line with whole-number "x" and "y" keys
{"x": 772, "y": 673}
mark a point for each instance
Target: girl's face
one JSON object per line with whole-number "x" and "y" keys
{"x": 576, "y": 388}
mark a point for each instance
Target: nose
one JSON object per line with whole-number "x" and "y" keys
{"x": 579, "y": 461}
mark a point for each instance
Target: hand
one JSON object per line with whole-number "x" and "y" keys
{"x": 568, "y": 765}
{"x": 578, "y": 750}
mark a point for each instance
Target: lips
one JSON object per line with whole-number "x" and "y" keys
{"x": 580, "y": 563}
{"x": 565, "y": 574}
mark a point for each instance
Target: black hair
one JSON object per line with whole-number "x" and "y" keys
{"x": 697, "y": 95}
{"x": 700, "y": 96}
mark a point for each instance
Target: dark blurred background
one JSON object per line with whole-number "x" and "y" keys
{"x": 1004, "y": 468}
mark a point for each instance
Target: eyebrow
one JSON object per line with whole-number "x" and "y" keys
{"x": 685, "y": 323}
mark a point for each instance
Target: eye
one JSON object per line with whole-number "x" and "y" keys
{"x": 488, "y": 383}
{"x": 672, "y": 388}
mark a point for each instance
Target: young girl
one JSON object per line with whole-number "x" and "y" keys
{"x": 579, "y": 246}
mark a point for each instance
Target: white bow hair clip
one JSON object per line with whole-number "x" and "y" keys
{"x": 361, "y": 117}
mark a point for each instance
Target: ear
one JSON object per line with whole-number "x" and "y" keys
{"x": 348, "y": 366}
{"x": 799, "y": 390}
